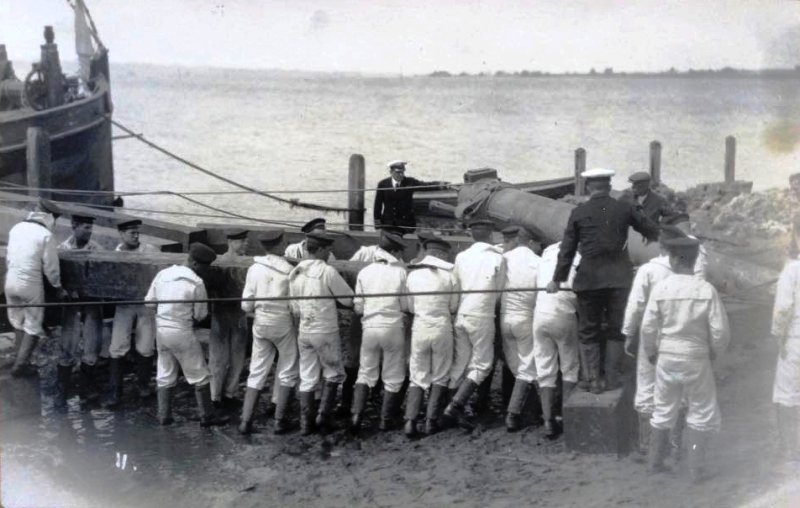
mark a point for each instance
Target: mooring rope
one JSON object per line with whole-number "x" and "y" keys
{"x": 290, "y": 202}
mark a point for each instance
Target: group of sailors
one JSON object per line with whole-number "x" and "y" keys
{"x": 432, "y": 329}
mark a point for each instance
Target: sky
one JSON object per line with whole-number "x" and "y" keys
{"x": 417, "y": 36}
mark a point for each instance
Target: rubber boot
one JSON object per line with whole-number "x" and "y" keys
{"x": 22, "y": 366}
{"x": 208, "y": 415}
{"x": 282, "y": 424}
{"x": 484, "y": 399}
{"x": 507, "y": 385}
{"x": 519, "y": 397}
{"x": 591, "y": 353}
{"x": 144, "y": 370}
{"x": 63, "y": 376}
{"x": 659, "y": 443}
{"x": 533, "y": 406}
{"x": 644, "y": 432}
{"x": 391, "y": 403}
{"x": 413, "y": 403}
{"x": 248, "y": 407}
{"x": 346, "y": 402}
{"x": 326, "y": 407}
{"x": 88, "y": 390}
{"x": 436, "y": 401}
{"x": 551, "y": 427}
{"x": 455, "y": 410}
{"x": 164, "y": 396}
{"x": 787, "y": 431}
{"x": 613, "y": 363}
{"x": 698, "y": 444}
{"x": 115, "y": 383}
{"x": 307, "y": 413}
{"x": 676, "y": 436}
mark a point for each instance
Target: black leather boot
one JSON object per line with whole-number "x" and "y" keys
{"x": 698, "y": 444}
{"x": 346, "y": 402}
{"x": 645, "y": 430}
{"x": 63, "y": 382}
{"x": 208, "y": 415}
{"x": 115, "y": 383}
{"x": 391, "y": 402}
{"x": 413, "y": 403}
{"x": 326, "y": 407}
{"x": 455, "y": 410}
{"x": 436, "y": 402}
{"x": 360, "y": 395}
{"x": 282, "y": 423}
{"x": 307, "y": 413}
{"x": 88, "y": 381}
{"x": 515, "y": 405}
{"x": 165, "y": 406}
{"x": 659, "y": 444}
{"x": 22, "y": 366}
{"x": 144, "y": 371}
{"x": 248, "y": 407}
{"x": 548, "y": 397}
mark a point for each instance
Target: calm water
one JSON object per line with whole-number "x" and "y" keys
{"x": 286, "y": 132}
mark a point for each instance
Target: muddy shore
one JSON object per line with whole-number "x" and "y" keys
{"x": 98, "y": 458}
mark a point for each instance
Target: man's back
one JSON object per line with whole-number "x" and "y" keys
{"x": 313, "y": 277}
{"x": 31, "y": 252}
{"x": 178, "y": 283}
{"x": 384, "y": 275}
{"x": 479, "y": 267}
{"x": 432, "y": 274}
{"x": 268, "y": 277}
{"x": 521, "y": 266}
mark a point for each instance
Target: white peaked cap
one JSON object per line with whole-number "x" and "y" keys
{"x": 597, "y": 173}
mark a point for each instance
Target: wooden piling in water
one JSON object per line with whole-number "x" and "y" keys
{"x": 356, "y": 182}
{"x": 655, "y": 162}
{"x": 38, "y": 157}
{"x": 730, "y": 159}
{"x": 580, "y": 167}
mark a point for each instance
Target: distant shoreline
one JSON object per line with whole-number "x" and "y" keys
{"x": 725, "y": 72}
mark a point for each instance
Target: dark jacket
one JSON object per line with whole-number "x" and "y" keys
{"x": 598, "y": 229}
{"x": 396, "y": 207}
{"x": 654, "y": 206}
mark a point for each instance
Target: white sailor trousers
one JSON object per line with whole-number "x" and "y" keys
{"x": 227, "y": 352}
{"x": 555, "y": 343}
{"x": 180, "y": 348}
{"x": 693, "y": 379}
{"x": 431, "y": 355}
{"x": 72, "y": 330}
{"x": 517, "y": 335}
{"x": 473, "y": 354}
{"x": 786, "y": 389}
{"x": 383, "y": 355}
{"x": 643, "y": 401}
{"x": 320, "y": 355}
{"x": 27, "y": 319}
{"x": 267, "y": 341}
{"x": 124, "y": 316}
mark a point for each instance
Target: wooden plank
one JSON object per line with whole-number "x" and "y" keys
{"x": 356, "y": 179}
{"x": 37, "y": 157}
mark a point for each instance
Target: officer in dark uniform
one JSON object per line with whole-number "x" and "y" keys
{"x": 394, "y": 199}
{"x": 598, "y": 229}
{"x": 653, "y": 205}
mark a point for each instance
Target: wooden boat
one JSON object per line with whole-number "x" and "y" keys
{"x": 76, "y": 127}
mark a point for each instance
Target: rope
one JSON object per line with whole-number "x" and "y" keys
{"x": 290, "y": 202}
{"x": 275, "y": 298}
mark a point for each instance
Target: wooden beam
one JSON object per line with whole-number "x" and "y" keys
{"x": 356, "y": 180}
{"x": 38, "y": 158}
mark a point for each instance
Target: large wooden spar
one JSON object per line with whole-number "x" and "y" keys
{"x": 127, "y": 276}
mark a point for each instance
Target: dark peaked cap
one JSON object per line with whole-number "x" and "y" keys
{"x": 202, "y": 253}
{"x": 437, "y": 243}
{"x": 685, "y": 244}
{"x": 312, "y": 225}
{"x": 390, "y": 241}
{"x": 270, "y": 235}
{"x": 639, "y": 176}
{"x": 128, "y": 224}
{"x": 235, "y": 233}
{"x": 319, "y": 238}
{"x": 83, "y": 219}
{"x": 49, "y": 207}
{"x": 511, "y": 231}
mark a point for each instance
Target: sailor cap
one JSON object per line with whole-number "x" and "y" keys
{"x": 235, "y": 234}
{"x": 437, "y": 243}
{"x": 390, "y": 242}
{"x": 202, "y": 253}
{"x": 270, "y": 235}
{"x": 320, "y": 238}
{"x": 83, "y": 219}
{"x": 318, "y": 223}
{"x": 128, "y": 224}
{"x": 48, "y": 206}
{"x": 597, "y": 173}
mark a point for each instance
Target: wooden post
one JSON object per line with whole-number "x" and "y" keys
{"x": 655, "y": 163}
{"x": 580, "y": 167}
{"x": 356, "y": 181}
{"x": 37, "y": 155}
{"x": 730, "y": 159}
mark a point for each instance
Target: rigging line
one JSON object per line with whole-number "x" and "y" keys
{"x": 290, "y": 202}
{"x": 275, "y": 298}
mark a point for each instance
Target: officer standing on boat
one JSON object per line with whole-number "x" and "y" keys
{"x": 598, "y": 229}
{"x": 30, "y": 257}
{"x": 227, "y": 342}
{"x": 394, "y": 199}
{"x": 85, "y": 322}
{"x": 125, "y": 318}
{"x": 178, "y": 346}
